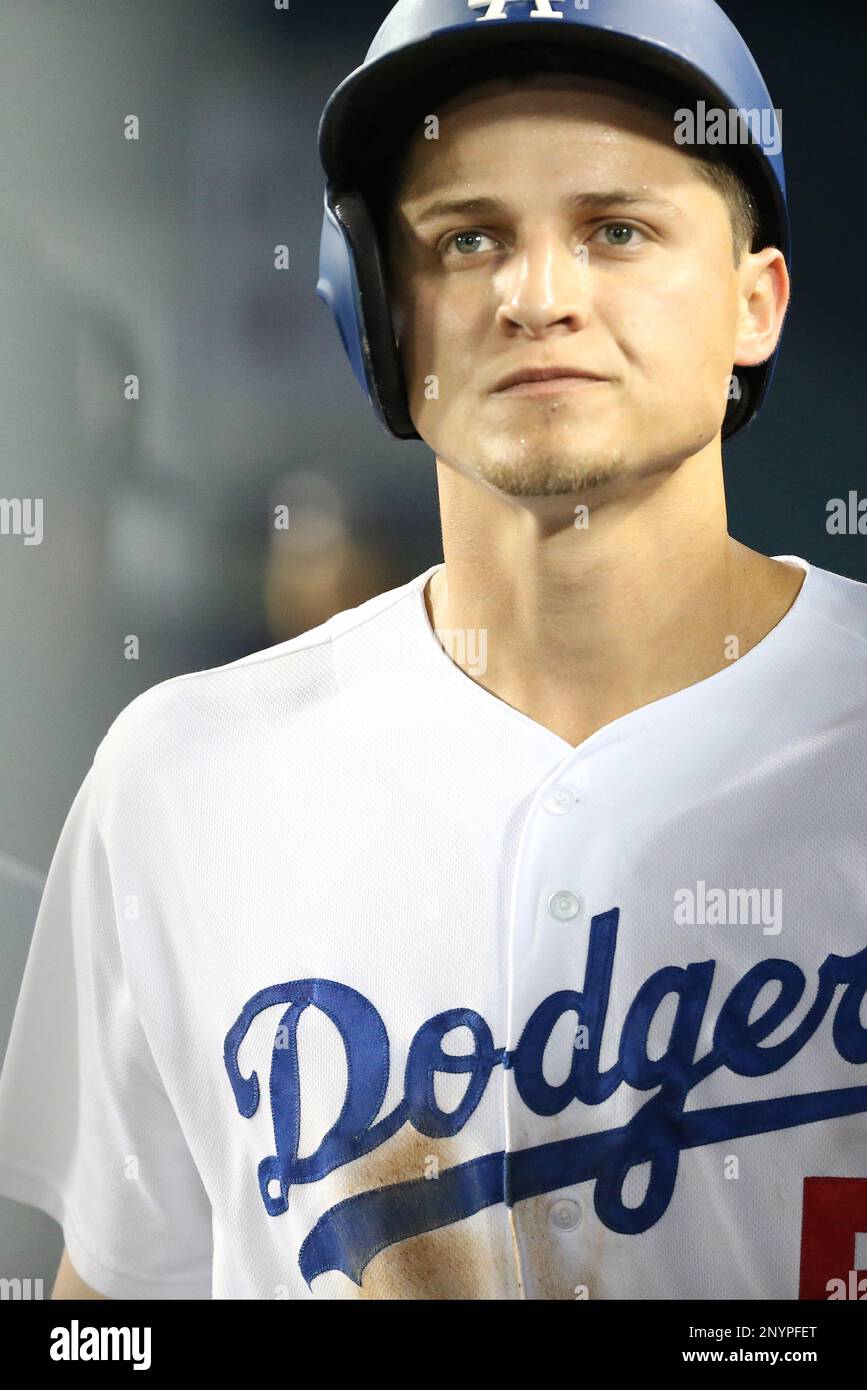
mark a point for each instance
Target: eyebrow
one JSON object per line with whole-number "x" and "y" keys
{"x": 577, "y": 202}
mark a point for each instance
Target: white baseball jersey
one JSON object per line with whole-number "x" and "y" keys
{"x": 350, "y": 980}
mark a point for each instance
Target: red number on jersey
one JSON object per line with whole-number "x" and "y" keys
{"x": 834, "y": 1214}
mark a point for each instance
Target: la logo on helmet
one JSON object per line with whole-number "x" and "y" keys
{"x": 496, "y": 9}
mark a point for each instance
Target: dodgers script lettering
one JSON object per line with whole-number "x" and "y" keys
{"x": 348, "y": 1235}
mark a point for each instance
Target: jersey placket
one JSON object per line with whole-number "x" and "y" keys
{"x": 550, "y": 916}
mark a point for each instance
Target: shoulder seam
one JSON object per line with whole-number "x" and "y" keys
{"x": 268, "y": 654}
{"x": 255, "y": 658}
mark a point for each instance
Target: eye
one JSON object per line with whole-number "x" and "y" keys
{"x": 464, "y": 236}
{"x": 619, "y": 228}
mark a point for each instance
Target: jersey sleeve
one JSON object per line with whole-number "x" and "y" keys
{"x": 87, "y": 1132}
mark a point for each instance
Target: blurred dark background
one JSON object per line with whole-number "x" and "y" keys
{"x": 155, "y": 257}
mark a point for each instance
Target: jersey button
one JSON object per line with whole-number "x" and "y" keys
{"x": 564, "y": 905}
{"x": 565, "y": 1215}
{"x": 559, "y": 800}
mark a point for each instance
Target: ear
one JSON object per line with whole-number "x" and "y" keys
{"x": 764, "y": 295}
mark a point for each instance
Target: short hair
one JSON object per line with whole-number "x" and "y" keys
{"x": 717, "y": 166}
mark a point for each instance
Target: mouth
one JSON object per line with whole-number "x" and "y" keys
{"x": 545, "y": 381}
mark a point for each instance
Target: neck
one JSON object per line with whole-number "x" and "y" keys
{"x": 583, "y": 624}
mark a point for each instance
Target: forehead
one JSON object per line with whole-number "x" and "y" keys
{"x": 523, "y": 88}
{"x": 528, "y": 106}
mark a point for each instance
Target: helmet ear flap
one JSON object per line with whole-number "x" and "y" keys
{"x": 740, "y": 405}
{"x": 377, "y": 365}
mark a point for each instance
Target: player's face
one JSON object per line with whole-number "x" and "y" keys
{"x": 606, "y": 252}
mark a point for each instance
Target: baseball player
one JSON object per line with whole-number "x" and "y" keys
{"x": 503, "y": 937}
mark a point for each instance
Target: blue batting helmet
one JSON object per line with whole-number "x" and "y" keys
{"x": 428, "y": 50}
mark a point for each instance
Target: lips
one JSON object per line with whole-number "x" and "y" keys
{"x": 527, "y": 374}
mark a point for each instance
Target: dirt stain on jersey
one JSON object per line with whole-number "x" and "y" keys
{"x": 474, "y": 1259}
{"x": 550, "y": 1269}
{"x": 468, "y": 1259}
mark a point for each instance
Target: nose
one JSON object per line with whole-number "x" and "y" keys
{"x": 545, "y": 284}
